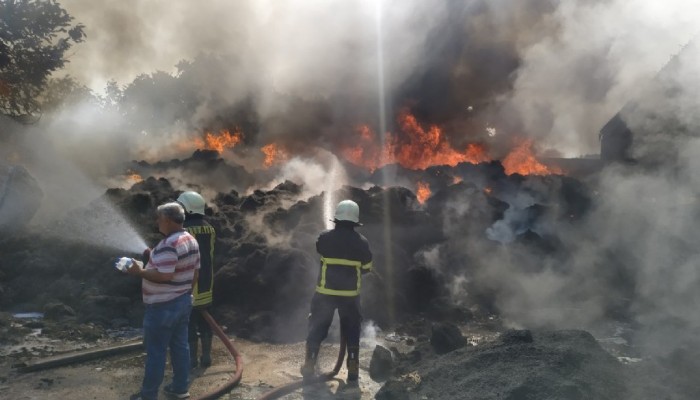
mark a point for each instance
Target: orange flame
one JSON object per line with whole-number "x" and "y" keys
{"x": 367, "y": 154}
{"x": 223, "y": 140}
{"x": 422, "y": 192}
{"x": 419, "y": 148}
{"x": 274, "y": 154}
{"x": 522, "y": 161}
{"x": 488, "y": 190}
{"x": 414, "y": 148}
{"x": 132, "y": 176}
{"x": 456, "y": 180}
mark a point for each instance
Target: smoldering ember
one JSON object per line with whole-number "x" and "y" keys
{"x": 526, "y": 178}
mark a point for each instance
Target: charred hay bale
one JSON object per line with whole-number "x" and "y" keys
{"x": 284, "y": 191}
{"x": 231, "y": 198}
{"x": 159, "y": 187}
{"x": 446, "y": 337}
{"x": 425, "y": 286}
{"x": 482, "y": 174}
{"x": 271, "y": 289}
{"x": 464, "y": 209}
{"x": 385, "y": 291}
{"x": 20, "y": 197}
{"x": 571, "y": 197}
{"x": 282, "y": 220}
{"x": 253, "y": 202}
{"x": 205, "y": 167}
{"x": 288, "y": 187}
{"x": 57, "y": 311}
{"x": 381, "y": 364}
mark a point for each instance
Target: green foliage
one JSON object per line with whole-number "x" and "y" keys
{"x": 62, "y": 92}
{"x": 34, "y": 37}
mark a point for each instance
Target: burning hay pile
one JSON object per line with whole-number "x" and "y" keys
{"x": 265, "y": 255}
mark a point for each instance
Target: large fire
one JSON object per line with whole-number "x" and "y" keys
{"x": 418, "y": 148}
{"x": 274, "y": 154}
{"x": 422, "y": 192}
{"x": 415, "y": 147}
{"x": 367, "y": 153}
{"x": 522, "y": 161}
{"x": 223, "y": 140}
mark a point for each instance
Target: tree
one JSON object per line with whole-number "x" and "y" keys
{"x": 34, "y": 37}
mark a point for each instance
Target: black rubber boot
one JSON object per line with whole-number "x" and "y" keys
{"x": 308, "y": 370}
{"x": 193, "y": 354}
{"x": 353, "y": 364}
{"x": 205, "y": 361}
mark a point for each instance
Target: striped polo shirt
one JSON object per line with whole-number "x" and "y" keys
{"x": 178, "y": 253}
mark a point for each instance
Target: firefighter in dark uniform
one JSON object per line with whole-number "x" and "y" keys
{"x": 345, "y": 257}
{"x": 202, "y": 289}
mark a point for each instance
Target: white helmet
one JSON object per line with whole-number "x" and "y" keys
{"x": 193, "y": 202}
{"x": 347, "y": 210}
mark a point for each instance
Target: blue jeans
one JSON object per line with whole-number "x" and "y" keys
{"x": 165, "y": 325}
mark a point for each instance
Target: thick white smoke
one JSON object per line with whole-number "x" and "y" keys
{"x": 310, "y": 48}
{"x": 599, "y": 56}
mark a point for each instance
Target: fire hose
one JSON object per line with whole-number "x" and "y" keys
{"x": 91, "y": 355}
{"x": 235, "y": 378}
{"x": 290, "y": 387}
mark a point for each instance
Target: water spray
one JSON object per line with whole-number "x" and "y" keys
{"x": 329, "y": 200}
{"x": 381, "y": 91}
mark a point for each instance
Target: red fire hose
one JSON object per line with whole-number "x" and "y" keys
{"x": 290, "y": 387}
{"x": 235, "y": 378}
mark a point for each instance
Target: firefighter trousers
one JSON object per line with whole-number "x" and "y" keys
{"x": 322, "y": 310}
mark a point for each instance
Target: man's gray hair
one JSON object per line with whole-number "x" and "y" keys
{"x": 173, "y": 211}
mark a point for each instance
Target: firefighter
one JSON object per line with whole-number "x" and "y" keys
{"x": 205, "y": 234}
{"x": 345, "y": 256}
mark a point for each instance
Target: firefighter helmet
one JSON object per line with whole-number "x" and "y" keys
{"x": 347, "y": 210}
{"x": 193, "y": 202}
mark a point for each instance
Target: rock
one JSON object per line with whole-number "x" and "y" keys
{"x": 57, "y": 311}
{"x": 446, "y": 337}
{"x": 392, "y": 390}
{"x": 399, "y": 388}
{"x": 381, "y": 364}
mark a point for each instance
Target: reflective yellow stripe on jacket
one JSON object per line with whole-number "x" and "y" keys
{"x": 204, "y": 296}
{"x": 321, "y": 288}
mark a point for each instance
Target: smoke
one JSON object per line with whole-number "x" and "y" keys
{"x": 369, "y": 334}
{"x": 310, "y": 49}
{"x": 602, "y": 52}
{"x": 309, "y": 71}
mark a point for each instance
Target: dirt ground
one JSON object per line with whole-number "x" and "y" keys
{"x": 117, "y": 377}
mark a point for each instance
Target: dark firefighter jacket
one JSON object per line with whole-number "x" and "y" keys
{"x": 345, "y": 256}
{"x": 206, "y": 236}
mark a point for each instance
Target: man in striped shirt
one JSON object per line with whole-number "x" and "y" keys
{"x": 166, "y": 289}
